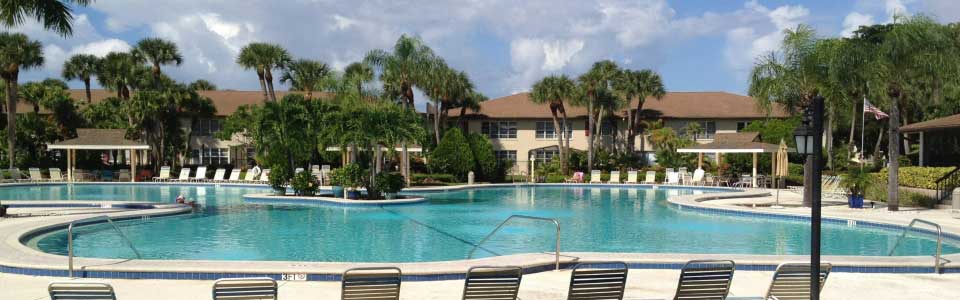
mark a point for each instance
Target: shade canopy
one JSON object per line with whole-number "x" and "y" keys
{"x": 99, "y": 139}
{"x": 740, "y": 142}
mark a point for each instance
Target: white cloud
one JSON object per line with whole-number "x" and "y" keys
{"x": 746, "y": 43}
{"x": 101, "y": 48}
{"x": 895, "y": 8}
{"x": 853, "y": 21}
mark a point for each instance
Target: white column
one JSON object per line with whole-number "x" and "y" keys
{"x": 532, "y": 168}
{"x": 754, "y": 179}
{"x": 133, "y": 165}
{"x": 70, "y": 165}
{"x": 921, "y": 148}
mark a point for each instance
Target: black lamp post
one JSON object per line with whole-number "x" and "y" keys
{"x": 809, "y": 138}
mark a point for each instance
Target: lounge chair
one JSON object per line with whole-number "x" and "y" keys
{"x": 245, "y": 288}
{"x": 15, "y": 174}
{"x": 650, "y": 178}
{"x": 595, "y": 176}
{"x": 492, "y": 283}
{"x": 791, "y": 281}
{"x": 164, "y": 174}
{"x": 234, "y": 175}
{"x": 71, "y": 290}
{"x": 705, "y": 280}
{"x": 297, "y": 170}
{"x": 631, "y": 177}
{"x": 697, "y": 177}
{"x": 123, "y": 175}
{"x": 56, "y": 175}
{"x": 219, "y": 174}
{"x": 184, "y": 175}
{"x": 598, "y": 281}
{"x": 577, "y": 178}
{"x": 673, "y": 178}
{"x": 106, "y": 175}
{"x": 251, "y": 176}
{"x": 370, "y": 284}
{"x": 265, "y": 176}
{"x": 35, "y": 175}
{"x": 614, "y": 177}
{"x": 201, "y": 174}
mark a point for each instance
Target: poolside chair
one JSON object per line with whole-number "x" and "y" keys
{"x": 245, "y": 288}
{"x": 265, "y": 175}
{"x": 297, "y": 170}
{"x": 673, "y": 178}
{"x": 164, "y": 174}
{"x": 15, "y": 174}
{"x": 76, "y": 290}
{"x": 201, "y": 174}
{"x": 631, "y": 177}
{"x": 492, "y": 283}
{"x": 184, "y": 175}
{"x": 705, "y": 280}
{"x": 577, "y": 178}
{"x": 251, "y": 176}
{"x": 598, "y": 281}
{"x": 219, "y": 174}
{"x": 106, "y": 175}
{"x": 56, "y": 175}
{"x": 697, "y": 177}
{"x": 595, "y": 176}
{"x": 682, "y": 170}
{"x": 35, "y": 174}
{"x": 685, "y": 178}
{"x": 791, "y": 281}
{"x": 123, "y": 175}
{"x": 234, "y": 175}
{"x": 371, "y": 284}
{"x": 650, "y": 178}
{"x": 614, "y": 177}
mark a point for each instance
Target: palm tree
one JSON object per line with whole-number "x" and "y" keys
{"x": 276, "y": 58}
{"x": 357, "y": 74}
{"x": 157, "y": 52}
{"x": 17, "y": 52}
{"x": 472, "y": 102}
{"x": 251, "y": 57}
{"x": 202, "y": 85}
{"x": 81, "y": 66}
{"x": 305, "y": 75}
{"x": 445, "y": 86}
{"x": 400, "y": 71}
{"x": 555, "y": 90}
{"x": 640, "y": 85}
{"x": 55, "y": 15}
{"x": 120, "y": 72}
{"x": 592, "y": 84}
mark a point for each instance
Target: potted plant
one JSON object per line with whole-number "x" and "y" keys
{"x": 353, "y": 177}
{"x": 278, "y": 181}
{"x": 389, "y": 183}
{"x": 337, "y": 180}
{"x": 304, "y": 184}
{"x": 856, "y": 182}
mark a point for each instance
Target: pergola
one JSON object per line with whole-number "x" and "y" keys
{"x": 99, "y": 139}
{"x": 741, "y": 142}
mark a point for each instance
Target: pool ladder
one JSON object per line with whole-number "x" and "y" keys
{"x": 495, "y": 230}
{"x": 937, "y": 257}
{"x": 92, "y": 220}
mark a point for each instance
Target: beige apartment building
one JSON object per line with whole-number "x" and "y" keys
{"x": 521, "y": 130}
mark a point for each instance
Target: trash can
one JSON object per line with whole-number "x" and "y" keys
{"x": 470, "y": 177}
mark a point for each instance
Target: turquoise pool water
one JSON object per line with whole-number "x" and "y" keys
{"x": 594, "y": 219}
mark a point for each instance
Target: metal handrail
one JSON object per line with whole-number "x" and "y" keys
{"x": 495, "y": 230}
{"x": 70, "y": 239}
{"x": 937, "y": 259}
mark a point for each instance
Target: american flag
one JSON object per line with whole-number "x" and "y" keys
{"x": 869, "y": 108}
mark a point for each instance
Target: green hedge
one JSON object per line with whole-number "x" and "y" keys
{"x": 444, "y": 178}
{"x": 918, "y": 177}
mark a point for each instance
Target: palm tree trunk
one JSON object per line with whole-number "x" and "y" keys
{"x": 263, "y": 85}
{"x": 436, "y": 121}
{"x": 11, "y": 120}
{"x": 461, "y": 122}
{"x": 828, "y": 135}
{"x": 590, "y": 136}
{"x": 853, "y": 131}
{"x": 559, "y": 133}
{"x": 893, "y": 154}
{"x": 268, "y": 76}
{"x": 876, "y": 148}
{"x": 86, "y": 85}
{"x": 567, "y": 132}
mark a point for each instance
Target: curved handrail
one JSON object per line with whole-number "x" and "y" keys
{"x": 495, "y": 230}
{"x": 937, "y": 259}
{"x": 70, "y": 239}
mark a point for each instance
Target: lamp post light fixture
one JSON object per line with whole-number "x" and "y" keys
{"x": 809, "y": 137}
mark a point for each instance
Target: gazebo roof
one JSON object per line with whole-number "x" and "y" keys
{"x": 948, "y": 122}
{"x": 100, "y": 139}
{"x": 740, "y": 142}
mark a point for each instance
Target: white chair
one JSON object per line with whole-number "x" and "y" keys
{"x": 245, "y": 288}
{"x": 265, "y": 175}
{"x": 56, "y": 175}
{"x": 614, "y": 177}
{"x": 201, "y": 174}
{"x": 595, "y": 176}
{"x": 219, "y": 174}
{"x": 650, "y": 178}
{"x": 631, "y": 177}
{"x": 35, "y": 175}
{"x": 234, "y": 175}
{"x": 673, "y": 178}
{"x": 164, "y": 174}
{"x": 184, "y": 175}
{"x": 791, "y": 281}
{"x": 697, "y": 177}
{"x": 251, "y": 176}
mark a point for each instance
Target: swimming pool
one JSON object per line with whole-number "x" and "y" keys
{"x": 593, "y": 219}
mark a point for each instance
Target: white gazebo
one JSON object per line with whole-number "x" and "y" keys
{"x": 99, "y": 139}
{"x": 741, "y": 142}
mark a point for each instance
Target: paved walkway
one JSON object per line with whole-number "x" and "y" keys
{"x": 642, "y": 284}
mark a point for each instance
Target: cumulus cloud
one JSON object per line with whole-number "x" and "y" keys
{"x": 895, "y": 8}
{"x": 853, "y": 21}
{"x": 752, "y": 40}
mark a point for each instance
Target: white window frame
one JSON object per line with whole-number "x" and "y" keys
{"x": 504, "y": 129}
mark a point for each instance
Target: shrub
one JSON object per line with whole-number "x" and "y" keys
{"x": 556, "y": 178}
{"x": 389, "y": 182}
{"x": 353, "y": 175}
{"x": 420, "y": 178}
{"x": 304, "y": 184}
{"x": 337, "y": 177}
{"x": 278, "y": 179}
{"x": 917, "y": 177}
{"x": 857, "y": 182}
{"x": 452, "y": 155}
{"x": 486, "y": 161}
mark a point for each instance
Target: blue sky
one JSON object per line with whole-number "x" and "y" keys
{"x": 505, "y": 46}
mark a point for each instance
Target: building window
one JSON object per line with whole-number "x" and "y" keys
{"x": 499, "y": 129}
{"x": 210, "y": 156}
{"x": 607, "y": 127}
{"x": 707, "y": 130}
{"x": 545, "y": 130}
{"x": 506, "y": 155}
{"x": 206, "y": 127}
{"x": 742, "y": 125}
{"x": 545, "y": 155}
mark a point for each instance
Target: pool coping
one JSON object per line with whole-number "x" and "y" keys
{"x": 18, "y": 258}
{"x": 266, "y": 198}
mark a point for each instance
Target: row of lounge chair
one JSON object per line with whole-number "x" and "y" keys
{"x": 33, "y": 175}
{"x": 699, "y": 177}
{"x": 699, "y": 280}
{"x": 829, "y": 187}
{"x": 220, "y": 175}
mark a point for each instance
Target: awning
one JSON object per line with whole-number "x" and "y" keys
{"x": 741, "y": 142}
{"x": 99, "y": 139}
{"x": 948, "y": 122}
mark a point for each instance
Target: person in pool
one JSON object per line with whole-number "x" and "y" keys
{"x": 183, "y": 200}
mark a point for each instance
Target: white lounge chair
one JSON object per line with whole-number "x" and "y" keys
{"x": 697, "y": 177}
{"x": 297, "y": 170}
{"x": 234, "y": 175}
{"x": 251, "y": 176}
{"x": 791, "y": 281}
{"x": 219, "y": 174}
{"x": 631, "y": 177}
{"x": 15, "y": 175}
{"x": 123, "y": 175}
{"x": 245, "y": 288}
{"x": 705, "y": 280}
{"x": 35, "y": 175}
{"x": 69, "y": 290}
{"x": 673, "y": 178}
{"x": 265, "y": 176}
{"x": 650, "y": 178}
{"x": 595, "y": 176}
{"x": 184, "y": 175}
{"x": 201, "y": 174}
{"x": 614, "y": 177}
{"x": 56, "y": 175}
{"x": 164, "y": 174}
